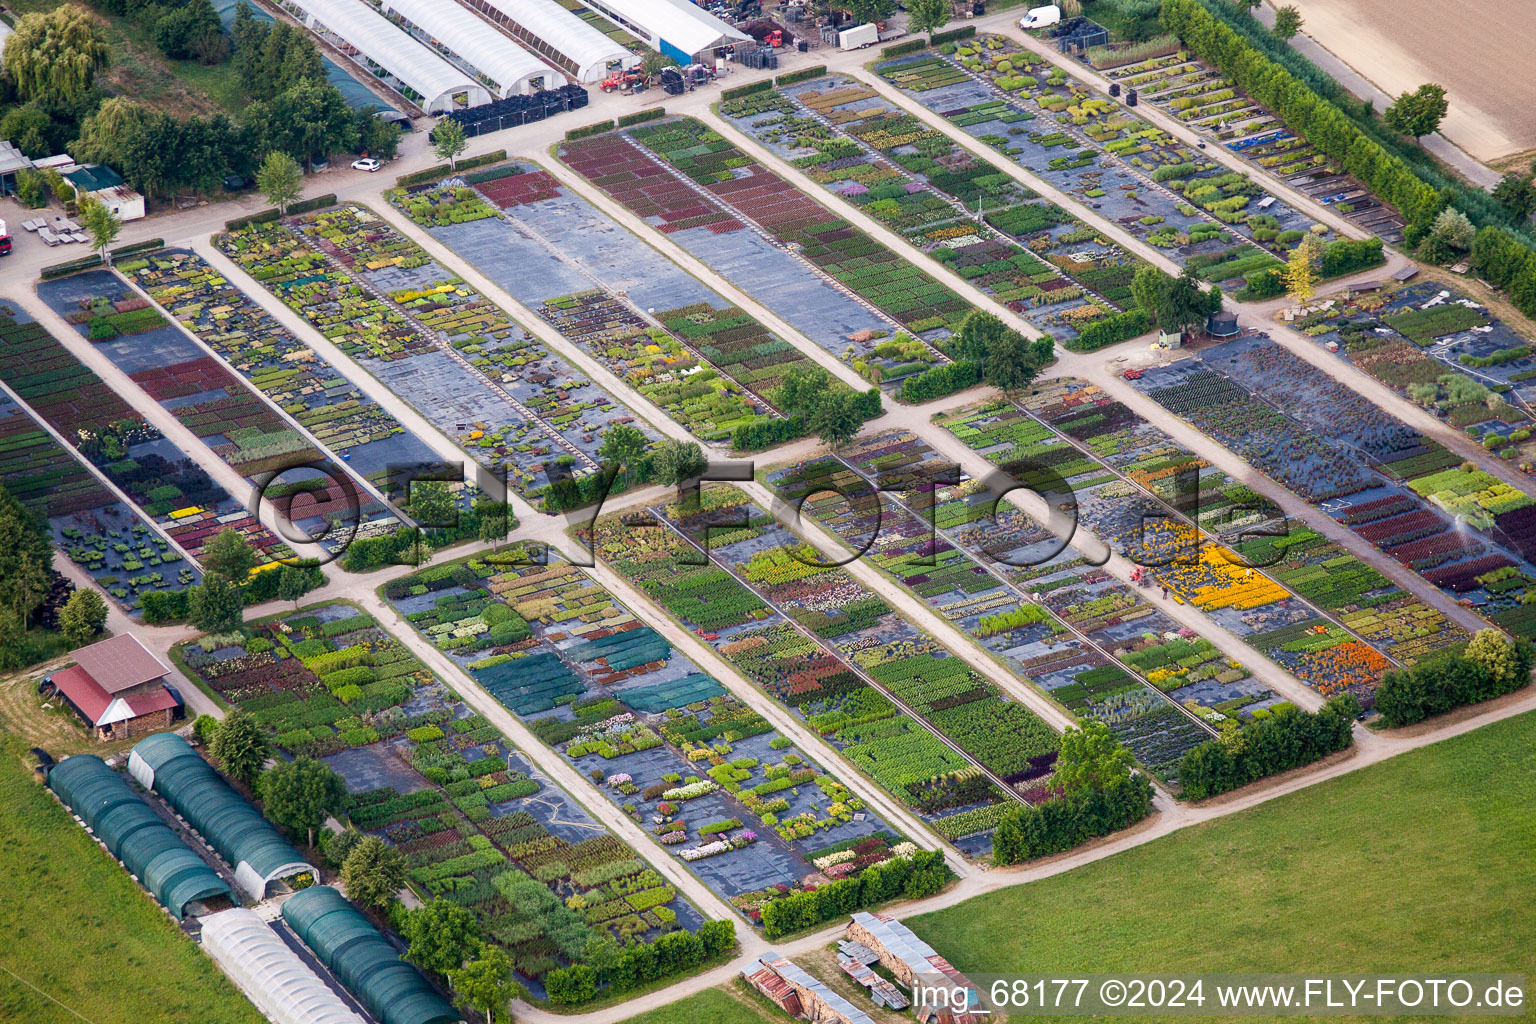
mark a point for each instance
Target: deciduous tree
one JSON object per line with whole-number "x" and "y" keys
{"x": 623, "y": 445}
{"x": 280, "y": 179}
{"x": 486, "y": 982}
{"x": 291, "y": 584}
{"x": 1091, "y": 759}
{"x": 676, "y": 461}
{"x": 927, "y": 15}
{"x": 217, "y": 605}
{"x": 1517, "y": 194}
{"x": 449, "y": 141}
{"x": 1300, "y": 269}
{"x": 299, "y": 794}
{"x": 442, "y": 935}
{"x": 229, "y": 553}
{"x": 1287, "y": 23}
{"x": 55, "y": 56}
{"x": 373, "y": 872}
{"x": 1417, "y": 113}
{"x": 83, "y": 616}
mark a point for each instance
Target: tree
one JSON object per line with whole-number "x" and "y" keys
{"x": 1454, "y": 229}
{"x": 102, "y": 135}
{"x": 868, "y": 11}
{"x": 229, "y": 553}
{"x": 1091, "y": 760}
{"x": 1517, "y": 194}
{"x": 623, "y": 445}
{"x": 1287, "y": 23}
{"x": 1300, "y": 272}
{"x": 979, "y": 331}
{"x": 836, "y": 419}
{"x": 449, "y": 141}
{"x": 307, "y": 120}
{"x": 495, "y": 522}
{"x": 13, "y": 641}
{"x": 433, "y": 505}
{"x": 486, "y": 982}
{"x": 442, "y": 935}
{"x": 1417, "y": 113}
{"x": 30, "y": 583}
{"x": 373, "y": 872}
{"x": 30, "y": 127}
{"x": 676, "y": 461}
{"x": 55, "y": 56}
{"x": 1185, "y": 304}
{"x": 1147, "y": 287}
{"x": 101, "y": 224}
{"x": 653, "y": 63}
{"x": 1014, "y": 362}
{"x": 377, "y": 137}
{"x": 280, "y": 179}
{"x": 26, "y": 559}
{"x": 799, "y": 389}
{"x": 300, "y": 794}
{"x": 336, "y": 845}
{"x": 291, "y": 584}
{"x": 217, "y": 605}
{"x": 240, "y": 746}
{"x": 82, "y": 617}
{"x": 927, "y": 15}
{"x": 1497, "y": 655}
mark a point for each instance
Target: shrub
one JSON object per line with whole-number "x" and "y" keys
{"x": 1025, "y": 833}
{"x": 1288, "y": 738}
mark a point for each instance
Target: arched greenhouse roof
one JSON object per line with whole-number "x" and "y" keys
{"x": 498, "y": 58}
{"x": 274, "y": 978}
{"x": 363, "y": 960}
{"x": 559, "y": 35}
{"x": 228, "y": 821}
{"x": 134, "y": 833}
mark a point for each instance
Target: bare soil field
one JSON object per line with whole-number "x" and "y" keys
{"x": 1480, "y": 50}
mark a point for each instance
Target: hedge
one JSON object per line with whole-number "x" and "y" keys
{"x": 1111, "y": 330}
{"x": 938, "y": 381}
{"x": 952, "y": 35}
{"x": 921, "y": 874}
{"x": 1437, "y": 685}
{"x": 766, "y": 432}
{"x": 89, "y": 262}
{"x": 803, "y": 75}
{"x": 1286, "y": 739}
{"x": 306, "y": 206}
{"x": 442, "y": 171}
{"x": 674, "y": 953}
{"x": 641, "y": 116}
{"x": 590, "y": 129}
{"x": 1025, "y": 833}
{"x": 910, "y": 46}
{"x": 746, "y": 90}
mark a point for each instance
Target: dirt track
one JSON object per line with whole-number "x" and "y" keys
{"x": 1480, "y": 50}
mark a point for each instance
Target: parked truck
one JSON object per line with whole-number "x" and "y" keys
{"x": 5, "y": 240}
{"x": 858, "y": 37}
{"x": 1040, "y": 17}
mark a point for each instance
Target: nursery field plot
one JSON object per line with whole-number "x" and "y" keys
{"x": 591, "y": 279}
{"x": 1208, "y": 102}
{"x": 1443, "y": 351}
{"x": 1249, "y": 605}
{"x": 305, "y": 384}
{"x": 918, "y": 182}
{"x": 1164, "y": 192}
{"x": 941, "y": 569}
{"x": 805, "y": 651}
{"x": 1438, "y": 510}
{"x": 838, "y": 286}
{"x": 433, "y": 340}
{"x": 742, "y": 808}
{"x": 169, "y": 488}
{"x": 307, "y": 487}
{"x": 124, "y": 554}
{"x": 476, "y": 821}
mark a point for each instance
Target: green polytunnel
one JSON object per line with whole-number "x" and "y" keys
{"x": 229, "y": 822}
{"x": 363, "y": 960}
{"x": 148, "y": 847}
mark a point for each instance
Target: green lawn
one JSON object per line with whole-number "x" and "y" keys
{"x": 728, "y": 1004}
{"x": 83, "y": 942}
{"x": 1421, "y": 863}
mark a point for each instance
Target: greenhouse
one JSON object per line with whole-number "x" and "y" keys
{"x": 148, "y": 847}
{"x": 393, "y": 991}
{"x": 677, "y": 28}
{"x": 491, "y": 55}
{"x": 226, "y": 820}
{"x": 558, "y": 36}
{"x": 270, "y": 974}
{"x": 423, "y": 76}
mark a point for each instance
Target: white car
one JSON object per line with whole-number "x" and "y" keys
{"x": 367, "y": 164}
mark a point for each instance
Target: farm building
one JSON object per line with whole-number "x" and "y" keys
{"x": 270, "y": 974}
{"x": 467, "y": 41}
{"x": 129, "y": 828}
{"x": 227, "y": 821}
{"x": 677, "y": 28}
{"x": 558, "y": 36}
{"x": 799, "y": 994}
{"x": 419, "y": 73}
{"x": 911, "y": 959}
{"x": 391, "y": 989}
{"x": 118, "y": 687}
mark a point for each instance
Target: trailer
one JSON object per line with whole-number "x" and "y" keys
{"x": 858, "y": 37}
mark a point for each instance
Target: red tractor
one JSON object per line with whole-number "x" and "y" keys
{"x": 621, "y": 80}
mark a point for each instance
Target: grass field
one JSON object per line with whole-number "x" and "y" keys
{"x": 83, "y": 941}
{"x": 728, "y": 1004}
{"x": 1421, "y": 863}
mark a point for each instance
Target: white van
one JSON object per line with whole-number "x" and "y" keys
{"x": 1040, "y": 17}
